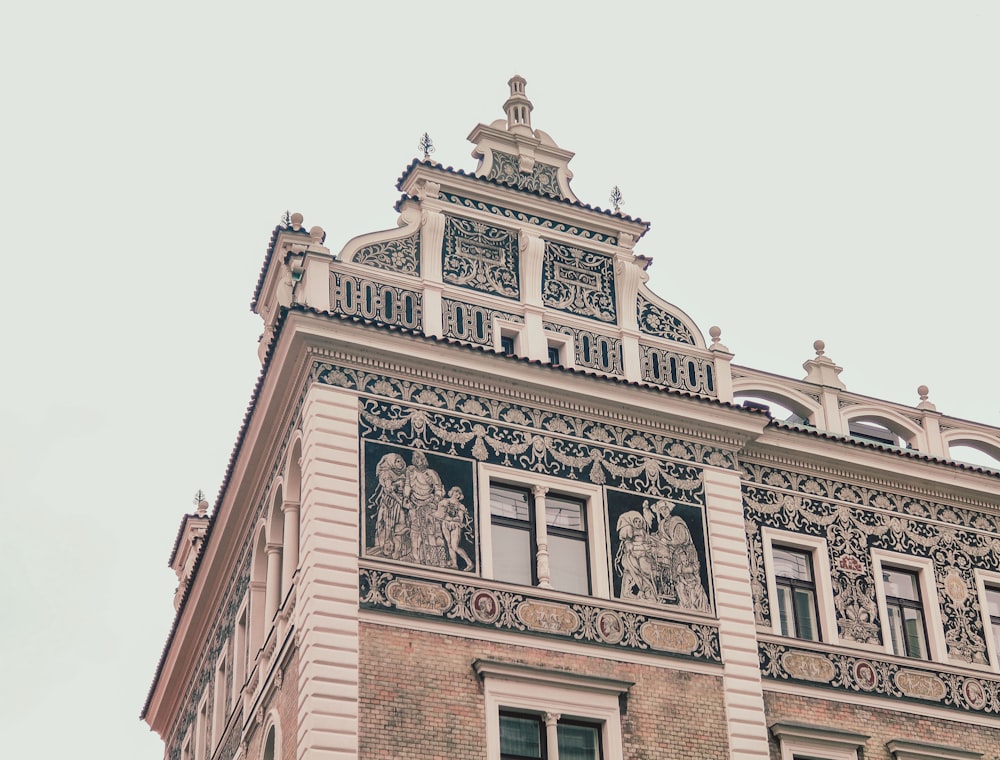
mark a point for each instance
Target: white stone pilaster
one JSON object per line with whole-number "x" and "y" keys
{"x": 326, "y": 610}
{"x": 290, "y": 554}
{"x": 744, "y": 695}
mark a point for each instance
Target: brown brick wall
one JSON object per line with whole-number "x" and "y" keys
{"x": 421, "y": 700}
{"x": 882, "y": 725}
{"x": 284, "y": 701}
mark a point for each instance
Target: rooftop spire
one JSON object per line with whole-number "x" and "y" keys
{"x": 518, "y": 107}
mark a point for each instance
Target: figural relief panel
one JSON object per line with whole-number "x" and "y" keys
{"x": 579, "y": 282}
{"x": 480, "y": 256}
{"x": 418, "y": 508}
{"x": 659, "y": 551}
{"x": 855, "y": 520}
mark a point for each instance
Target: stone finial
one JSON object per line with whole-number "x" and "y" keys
{"x": 923, "y": 392}
{"x": 201, "y": 503}
{"x": 715, "y": 333}
{"x": 318, "y": 235}
{"x": 518, "y": 108}
{"x": 295, "y": 221}
{"x": 822, "y": 370}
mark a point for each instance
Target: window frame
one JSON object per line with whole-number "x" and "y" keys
{"x": 799, "y": 741}
{"x": 575, "y": 698}
{"x": 513, "y": 331}
{"x": 564, "y": 345}
{"x": 986, "y": 581}
{"x": 594, "y": 518}
{"x": 816, "y": 548}
{"x": 923, "y": 567}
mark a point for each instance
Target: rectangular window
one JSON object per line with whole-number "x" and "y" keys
{"x": 507, "y": 345}
{"x": 524, "y": 737}
{"x": 993, "y": 615}
{"x": 525, "y": 524}
{"x": 795, "y": 584}
{"x": 554, "y": 357}
{"x": 905, "y": 610}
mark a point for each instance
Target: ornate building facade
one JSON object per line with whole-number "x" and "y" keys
{"x": 494, "y": 498}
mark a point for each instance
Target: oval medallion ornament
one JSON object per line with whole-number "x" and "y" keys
{"x": 808, "y": 667}
{"x": 485, "y": 607}
{"x": 550, "y": 618}
{"x": 920, "y": 685}
{"x": 974, "y": 694}
{"x": 864, "y": 675}
{"x": 610, "y": 627}
{"x": 668, "y": 638}
{"x": 955, "y": 587}
{"x": 418, "y": 597}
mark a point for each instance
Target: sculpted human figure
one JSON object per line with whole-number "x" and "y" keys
{"x": 390, "y": 525}
{"x": 422, "y": 490}
{"x": 453, "y": 518}
{"x": 634, "y": 560}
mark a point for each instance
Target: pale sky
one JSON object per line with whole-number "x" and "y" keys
{"x": 810, "y": 171}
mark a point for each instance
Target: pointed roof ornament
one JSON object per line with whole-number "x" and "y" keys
{"x": 518, "y": 108}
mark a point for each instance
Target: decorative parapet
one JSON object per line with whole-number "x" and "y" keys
{"x": 497, "y": 608}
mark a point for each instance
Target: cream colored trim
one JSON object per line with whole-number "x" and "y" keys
{"x": 597, "y": 550}
{"x": 546, "y": 692}
{"x": 924, "y": 567}
{"x": 798, "y": 740}
{"x": 817, "y": 549}
{"x": 900, "y": 749}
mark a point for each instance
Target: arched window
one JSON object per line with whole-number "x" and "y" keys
{"x": 270, "y": 749}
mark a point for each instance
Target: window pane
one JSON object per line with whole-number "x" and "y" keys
{"x": 578, "y": 742}
{"x": 915, "y": 643}
{"x": 805, "y": 615}
{"x": 561, "y": 512}
{"x": 520, "y": 736}
{"x": 785, "y": 613}
{"x": 901, "y": 584}
{"x": 789, "y": 563}
{"x": 512, "y": 560}
{"x": 510, "y": 502}
{"x": 568, "y": 564}
{"x": 896, "y": 634}
{"x": 993, "y": 602}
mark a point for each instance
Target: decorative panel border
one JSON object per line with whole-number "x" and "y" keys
{"x": 483, "y": 607}
{"x": 534, "y": 424}
{"x": 520, "y": 216}
{"x": 481, "y": 257}
{"x": 579, "y": 282}
{"x": 676, "y": 370}
{"x": 912, "y": 681}
{"x": 472, "y": 322}
{"x": 400, "y": 255}
{"x": 356, "y": 296}
{"x": 592, "y": 350}
{"x": 653, "y": 320}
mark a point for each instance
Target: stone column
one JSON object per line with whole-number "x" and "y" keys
{"x": 272, "y": 593}
{"x": 290, "y": 552}
{"x": 552, "y": 735}
{"x": 542, "y": 539}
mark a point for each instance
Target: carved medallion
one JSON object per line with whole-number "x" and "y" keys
{"x": 865, "y": 675}
{"x": 974, "y": 693}
{"x": 610, "y": 627}
{"x": 485, "y": 606}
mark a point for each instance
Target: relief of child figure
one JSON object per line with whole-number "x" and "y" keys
{"x": 454, "y": 517}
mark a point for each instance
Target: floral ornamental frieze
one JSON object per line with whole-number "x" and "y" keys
{"x": 911, "y": 681}
{"x": 854, "y": 521}
{"x": 654, "y": 320}
{"x": 480, "y": 256}
{"x": 543, "y": 179}
{"x": 400, "y": 255}
{"x": 676, "y": 370}
{"x": 473, "y": 322}
{"x": 531, "y": 419}
{"x": 591, "y": 349}
{"x": 358, "y": 297}
{"x": 520, "y": 216}
{"x": 579, "y": 282}
{"x": 555, "y": 456}
{"x": 483, "y": 607}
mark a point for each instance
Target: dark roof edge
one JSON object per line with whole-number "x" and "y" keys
{"x": 267, "y": 259}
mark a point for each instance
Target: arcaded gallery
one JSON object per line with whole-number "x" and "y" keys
{"x": 494, "y": 498}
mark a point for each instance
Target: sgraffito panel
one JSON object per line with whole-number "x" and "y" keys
{"x": 579, "y": 282}
{"x": 480, "y": 256}
{"x": 658, "y": 551}
{"x": 419, "y": 507}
